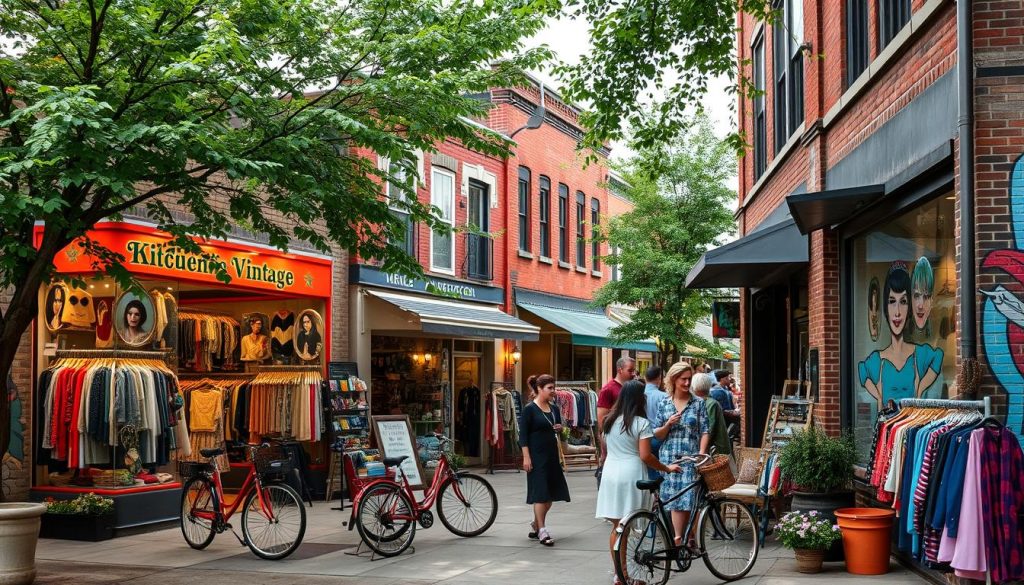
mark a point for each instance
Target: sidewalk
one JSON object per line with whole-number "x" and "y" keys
{"x": 501, "y": 556}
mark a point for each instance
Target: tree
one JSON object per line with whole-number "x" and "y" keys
{"x": 681, "y": 209}
{"x": 109, "y": 105}
{"x": 651, "y": 63}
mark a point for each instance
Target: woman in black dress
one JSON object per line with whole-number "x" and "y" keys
{"x": 538, "y": 436}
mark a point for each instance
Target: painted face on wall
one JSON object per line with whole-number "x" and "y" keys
{"x": 897, "y": 305}
{"x": 922, "y": 307}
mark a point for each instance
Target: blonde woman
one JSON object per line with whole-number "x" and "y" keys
{"x": 682, "y": 426}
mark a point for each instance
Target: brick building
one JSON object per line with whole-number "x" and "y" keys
{"x": 855, "y": 187}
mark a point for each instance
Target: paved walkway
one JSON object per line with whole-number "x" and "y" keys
{"x": 503, "y": 555}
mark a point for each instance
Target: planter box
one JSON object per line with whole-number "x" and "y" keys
{"x": 78, "y": 526}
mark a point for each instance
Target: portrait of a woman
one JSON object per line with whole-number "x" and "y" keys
{"x": 308, "y": 340}
{"x": 134, "y": 322}
{"x": 891, "y": 373}
{"x": 56, "y": 296}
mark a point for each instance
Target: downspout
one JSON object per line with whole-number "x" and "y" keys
{"x": 965, "y": 128}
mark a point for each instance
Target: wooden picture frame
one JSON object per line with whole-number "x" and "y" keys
{"x": 393, "y": 443}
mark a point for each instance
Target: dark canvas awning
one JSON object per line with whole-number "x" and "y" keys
{"x": 813, "y": 211}
{"x": 460, "y": 318}
{"x": 758, "y": 259}
{"x": 587, "y": 325}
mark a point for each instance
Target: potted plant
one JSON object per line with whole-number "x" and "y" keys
{"x": 820, "y": 468}
{"x": 809, "y": 534}
{"x": 87, "y": 517}
{"x": 19, "y": 533}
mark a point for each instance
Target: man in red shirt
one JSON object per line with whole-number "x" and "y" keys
{"x": 625, "y": 370}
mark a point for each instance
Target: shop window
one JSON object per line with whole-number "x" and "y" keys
{"x": 442, "y": 243}
{"x": 760, "y": 123}
{"x": 903, "y": 313}
{"x": 545, "y": 217}
{"x": 524, "y": 209}
{"x": 563, "y": 223}
{"x": 581, "y": 225}
{"x": 399, "y": 199}
{"x": 856, "y": 39}
{"x": 595, "y": 225}
{"x": 789, "y": 70}
{"x": 893, "y": 15}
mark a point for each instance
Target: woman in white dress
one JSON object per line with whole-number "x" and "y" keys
{"x": 627, "y": 448}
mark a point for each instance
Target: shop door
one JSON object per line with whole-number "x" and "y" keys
{"x": 478, "y": 246}
{"x": 469, "y": 399}
{"x": 768, "y": 355}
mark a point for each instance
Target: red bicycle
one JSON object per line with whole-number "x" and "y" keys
{"x": 387, "y": 511}
{"x": 273, "y": 518}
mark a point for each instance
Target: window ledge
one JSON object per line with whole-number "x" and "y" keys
{"x": 777, "y": 162}
{"x": 565, "y": 265}
{"x": 919, "y": 21}
{"x": 581, "y": 269}
{"x": 525, "y": 254}
{"x": 545, "y": 260}
{"x": 596, "y": 273}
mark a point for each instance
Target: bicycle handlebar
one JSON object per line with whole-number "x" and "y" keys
{"x": 698, "y": 460}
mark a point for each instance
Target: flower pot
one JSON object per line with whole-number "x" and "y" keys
{"x": 90, "y": 527}
{"x": 826, "y": 504}
{"x": 809, "y": 560}
{"x": 867, "y": 533}
{"x": 19, "y": 532}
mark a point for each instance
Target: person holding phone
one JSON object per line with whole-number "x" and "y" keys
{"x": 539, "y": 429}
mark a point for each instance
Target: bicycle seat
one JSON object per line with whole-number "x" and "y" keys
{"x": 211, "y": 452}
{"x": 395, "y": 461}
{"x": 651, "y": 485}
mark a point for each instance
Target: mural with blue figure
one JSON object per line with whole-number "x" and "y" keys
{"x": 1002, "y": 321}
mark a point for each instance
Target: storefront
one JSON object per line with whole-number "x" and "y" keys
{"x": 178, "y": 338}
{"x": 435, "y": 349}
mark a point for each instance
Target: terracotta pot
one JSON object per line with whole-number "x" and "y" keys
{"x": 867, "y": 534}
{"x": 809, "y": 560}
{"x": 19, "y": 532}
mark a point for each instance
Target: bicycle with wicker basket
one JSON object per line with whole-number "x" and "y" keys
{"x": 646, "y": 551}
{"x": 273, "y": 517}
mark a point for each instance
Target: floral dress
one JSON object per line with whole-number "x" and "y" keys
{"x": 683, "y": 439}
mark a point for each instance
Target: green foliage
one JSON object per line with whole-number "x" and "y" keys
{"x": 817, "y": 462}
{"x": 85, "y": 504}
{"x": 807, "y": 530}
{"x": 651, "y": 62}
{"x": 110, "y": 106}
{"x": 681, "y": 200}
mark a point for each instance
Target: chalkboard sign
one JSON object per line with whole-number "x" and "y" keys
{"x": 395, "y": 438}
{"x": 342, "y": 370}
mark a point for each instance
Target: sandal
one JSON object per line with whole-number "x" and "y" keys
{"x": 545, "y": 537}
{"x": 533, "y": 533}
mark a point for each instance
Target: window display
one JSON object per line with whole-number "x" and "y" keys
{"x": 904, "y": 313}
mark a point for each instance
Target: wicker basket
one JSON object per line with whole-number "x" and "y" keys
{"x": 61, "y": 479}
{"x": 188, "y": 469}
{"x": 717, "y": 473}
{"x": 272, "y": 460}
{"x": 113, "y": 478}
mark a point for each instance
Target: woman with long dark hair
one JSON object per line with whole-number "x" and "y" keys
{"x": 538, "y": 436}
{"x": 891, "y": 374}
{"x": 627, "y": 448}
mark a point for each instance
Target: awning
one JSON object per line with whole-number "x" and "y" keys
{"x": 587, "y": 325}
{"x": 459, "y": 318}
{"x": 755, "y": 260}
{"x": 813, "y": 211}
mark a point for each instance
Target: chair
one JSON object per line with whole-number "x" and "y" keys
{"x": 750, "y": 493}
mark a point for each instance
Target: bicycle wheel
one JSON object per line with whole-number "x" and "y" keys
{"x": 386, "y": 520}
{"x": 728, "y": 537}
{"x": 199, "y": 507}
{"x": 642, "y": 550}
{"x": 469, "y": 510}
{"x": 275, "y": 532}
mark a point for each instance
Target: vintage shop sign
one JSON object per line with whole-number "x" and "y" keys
{"x": 364, "y": 274}
{"x": 148, "y": 252}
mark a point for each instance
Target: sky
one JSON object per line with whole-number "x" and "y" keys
{"x": 569, "y": 40}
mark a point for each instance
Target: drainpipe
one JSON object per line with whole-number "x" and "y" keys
{"x": 965, "y": 127}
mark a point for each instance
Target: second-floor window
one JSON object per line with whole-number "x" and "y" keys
{"x": 856, "y": 39}
{"x": 893, "y": 15}
{"x": 545, "y": 217}
{"x": 760, "y": 124}
{"x": 442, "y": 244}
{"x": 524, "y": 209}
{"x": 787, "y": 59}
{"x": 398, "y": 198}
{"x": 581, "y": 226}
{"x": 595, "y": 234}
{"x": 563, "y": 223}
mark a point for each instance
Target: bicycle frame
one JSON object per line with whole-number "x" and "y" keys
{"x": 666, "y": 515}
{"x": 441, "y": 474}
{"x": 223, "y": 512}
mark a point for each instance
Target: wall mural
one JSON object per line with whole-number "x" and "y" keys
{"x": 15, "y": 456}
{"x": 1002, "y": 322}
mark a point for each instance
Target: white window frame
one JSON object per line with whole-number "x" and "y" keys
{"x": 434, "y": 172}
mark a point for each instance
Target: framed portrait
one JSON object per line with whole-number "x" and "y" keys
{"x": 874, "y": 308}
{"x": 134, "y": 318}
{"x": 309, "y": 335}
{"x": 255, "y": 337}
{"x": 56, "y": 298}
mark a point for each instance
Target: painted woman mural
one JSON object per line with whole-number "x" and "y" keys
{"x": 890, "y": 374}
{"x": 927, "y": 358}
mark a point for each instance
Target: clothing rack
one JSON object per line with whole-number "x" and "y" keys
{"x": 503, "y": 458}
{"x": 310, "y": 368}
{"x": 588, "y": 458}
{"x": 136, "y": 354}
{"x": 984, "y": 405}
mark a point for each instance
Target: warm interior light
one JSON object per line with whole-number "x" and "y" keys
{"x": 427, "y": 357}
{"x": 516, "y": 356}
{"x": 415, "y": 357}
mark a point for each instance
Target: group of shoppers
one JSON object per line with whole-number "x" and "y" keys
{"x": 644, "y": 427}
